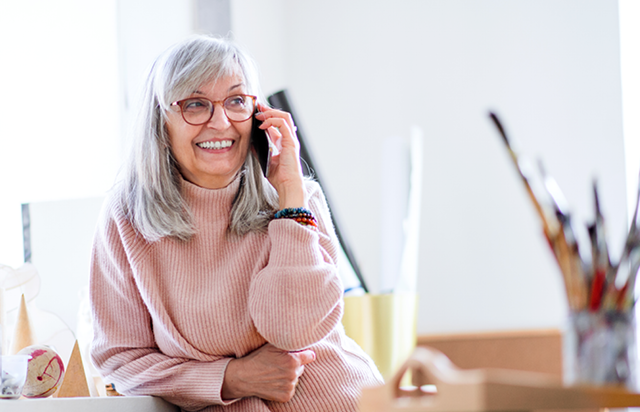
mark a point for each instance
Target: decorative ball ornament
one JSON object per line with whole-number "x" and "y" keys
{"x": 44, "y": 372}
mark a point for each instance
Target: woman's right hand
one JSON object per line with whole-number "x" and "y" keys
{"x": 268, "y": 373}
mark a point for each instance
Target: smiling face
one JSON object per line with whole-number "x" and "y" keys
{"x": 210, "y": 155}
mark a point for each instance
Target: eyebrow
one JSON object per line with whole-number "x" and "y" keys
{"x": 230, "y": 89}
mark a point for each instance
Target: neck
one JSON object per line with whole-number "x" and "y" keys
{"x": 213, "y": 182}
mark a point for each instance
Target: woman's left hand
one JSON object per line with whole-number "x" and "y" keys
{"x": 285, "y": 171}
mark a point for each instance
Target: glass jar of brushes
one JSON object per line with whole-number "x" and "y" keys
{"x": 599, "y": 349}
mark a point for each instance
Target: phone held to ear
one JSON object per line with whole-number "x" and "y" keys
{"x": 261, "y": 145}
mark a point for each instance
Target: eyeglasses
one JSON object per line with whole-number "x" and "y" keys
{"x": 198, "y": 110}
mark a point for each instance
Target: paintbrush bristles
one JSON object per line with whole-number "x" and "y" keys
{"x": 499, "y": 127}
{"x": 635, "y": 221}
{"x": 596, "y": 198}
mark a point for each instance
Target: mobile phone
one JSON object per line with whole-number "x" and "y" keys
{"x": 261, "y": 146}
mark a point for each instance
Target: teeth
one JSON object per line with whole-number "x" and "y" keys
{"x": 217, "y": 145}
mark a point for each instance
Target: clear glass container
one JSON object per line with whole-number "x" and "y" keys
{"x": 13, "y": 370}
{"x": 599, "y": 348}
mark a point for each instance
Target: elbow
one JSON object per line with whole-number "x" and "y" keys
{"x": 99, "y": 358}
{"x": 295, "y": 332}
{"x": 294, "y": 310}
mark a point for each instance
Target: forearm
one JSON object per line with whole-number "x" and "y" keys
{"x": 125, "y": 352}
{"x": 296, "y": 300}
{"x": 233, "y": 386}
{"x": 188, "y": 383}
{"x": 293, "y": 195}
{"x": 124, "y": 348}
{"x": 268, "y": 373}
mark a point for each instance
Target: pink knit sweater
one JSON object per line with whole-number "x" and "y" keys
{"x": 170, "y": 315}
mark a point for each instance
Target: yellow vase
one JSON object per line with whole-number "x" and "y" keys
{"x": 384, "y": 326}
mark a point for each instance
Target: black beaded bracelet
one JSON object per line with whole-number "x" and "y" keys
{"x": 300, "y": 214}
{"x": 289, "y": 213}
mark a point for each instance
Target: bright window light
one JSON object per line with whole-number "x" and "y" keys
{"x": 59, "y": 123}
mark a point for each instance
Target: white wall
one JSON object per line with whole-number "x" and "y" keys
{"x": 262, "y": 27}
{"x": 630, "y": 67}
{"x": 146, "y": 28}
{"x": 550, "y": 68}
{"x": 58, "y": 111}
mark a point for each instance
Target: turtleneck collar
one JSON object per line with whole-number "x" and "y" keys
{"x": 211, "y": 201}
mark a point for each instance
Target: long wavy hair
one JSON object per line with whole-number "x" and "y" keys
{"x": 151, "y": 189}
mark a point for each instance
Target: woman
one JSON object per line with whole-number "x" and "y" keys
{"x": 212, "y": 287}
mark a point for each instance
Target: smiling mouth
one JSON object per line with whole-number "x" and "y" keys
{"x": 215, "y": 145}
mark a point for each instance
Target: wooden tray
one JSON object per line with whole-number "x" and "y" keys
{"x": 443, "y": 387}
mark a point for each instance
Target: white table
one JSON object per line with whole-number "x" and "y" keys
{"x": 102, "y": 404}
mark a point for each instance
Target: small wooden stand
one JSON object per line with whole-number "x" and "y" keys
{"x": 442, "y": 387}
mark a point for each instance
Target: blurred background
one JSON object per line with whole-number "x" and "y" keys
{"x": 561, "y": 74}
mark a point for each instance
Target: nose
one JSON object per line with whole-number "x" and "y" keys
{"x": 219, "y": 120}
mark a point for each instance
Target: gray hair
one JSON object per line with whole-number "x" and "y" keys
{"x": 151, "y": 195}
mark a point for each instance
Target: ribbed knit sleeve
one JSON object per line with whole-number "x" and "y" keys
{"x": 296, "y": 300}
{"x": 124, "y": 349}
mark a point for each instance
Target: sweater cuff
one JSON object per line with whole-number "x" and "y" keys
{"x": 206, "y": 383}
{"x": 287, "y": 237}
{"x": 218, "y": 384}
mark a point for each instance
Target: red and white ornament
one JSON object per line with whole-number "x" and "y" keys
{"x": 45, "y": 371}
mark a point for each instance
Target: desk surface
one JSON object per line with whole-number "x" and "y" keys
{"x": 103, "y": 404}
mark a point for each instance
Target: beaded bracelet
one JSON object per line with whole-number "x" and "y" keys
{"x": 301, "y": 215}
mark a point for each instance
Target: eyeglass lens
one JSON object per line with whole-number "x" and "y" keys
{"x": 197, "y": 111}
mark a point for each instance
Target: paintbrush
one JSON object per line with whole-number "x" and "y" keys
{"x": 631, "y": 255}
{"x": 602, "y": 274}
{"x": 553, "y": 230}
{"x": 566, "y": 245}
{"x": 549, "y": 223}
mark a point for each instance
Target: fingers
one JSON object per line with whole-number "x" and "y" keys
{"x": 268, "y": 112}
{"x": 305, "y": 357}
{"x": 282, "y": 121}
{"x": 271, "y": 373}
{"x": 286, "y": 171}
{"x": 278, "y": 118}
{"x": 283, "y": 127}
{"x": 275, "y": 139}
